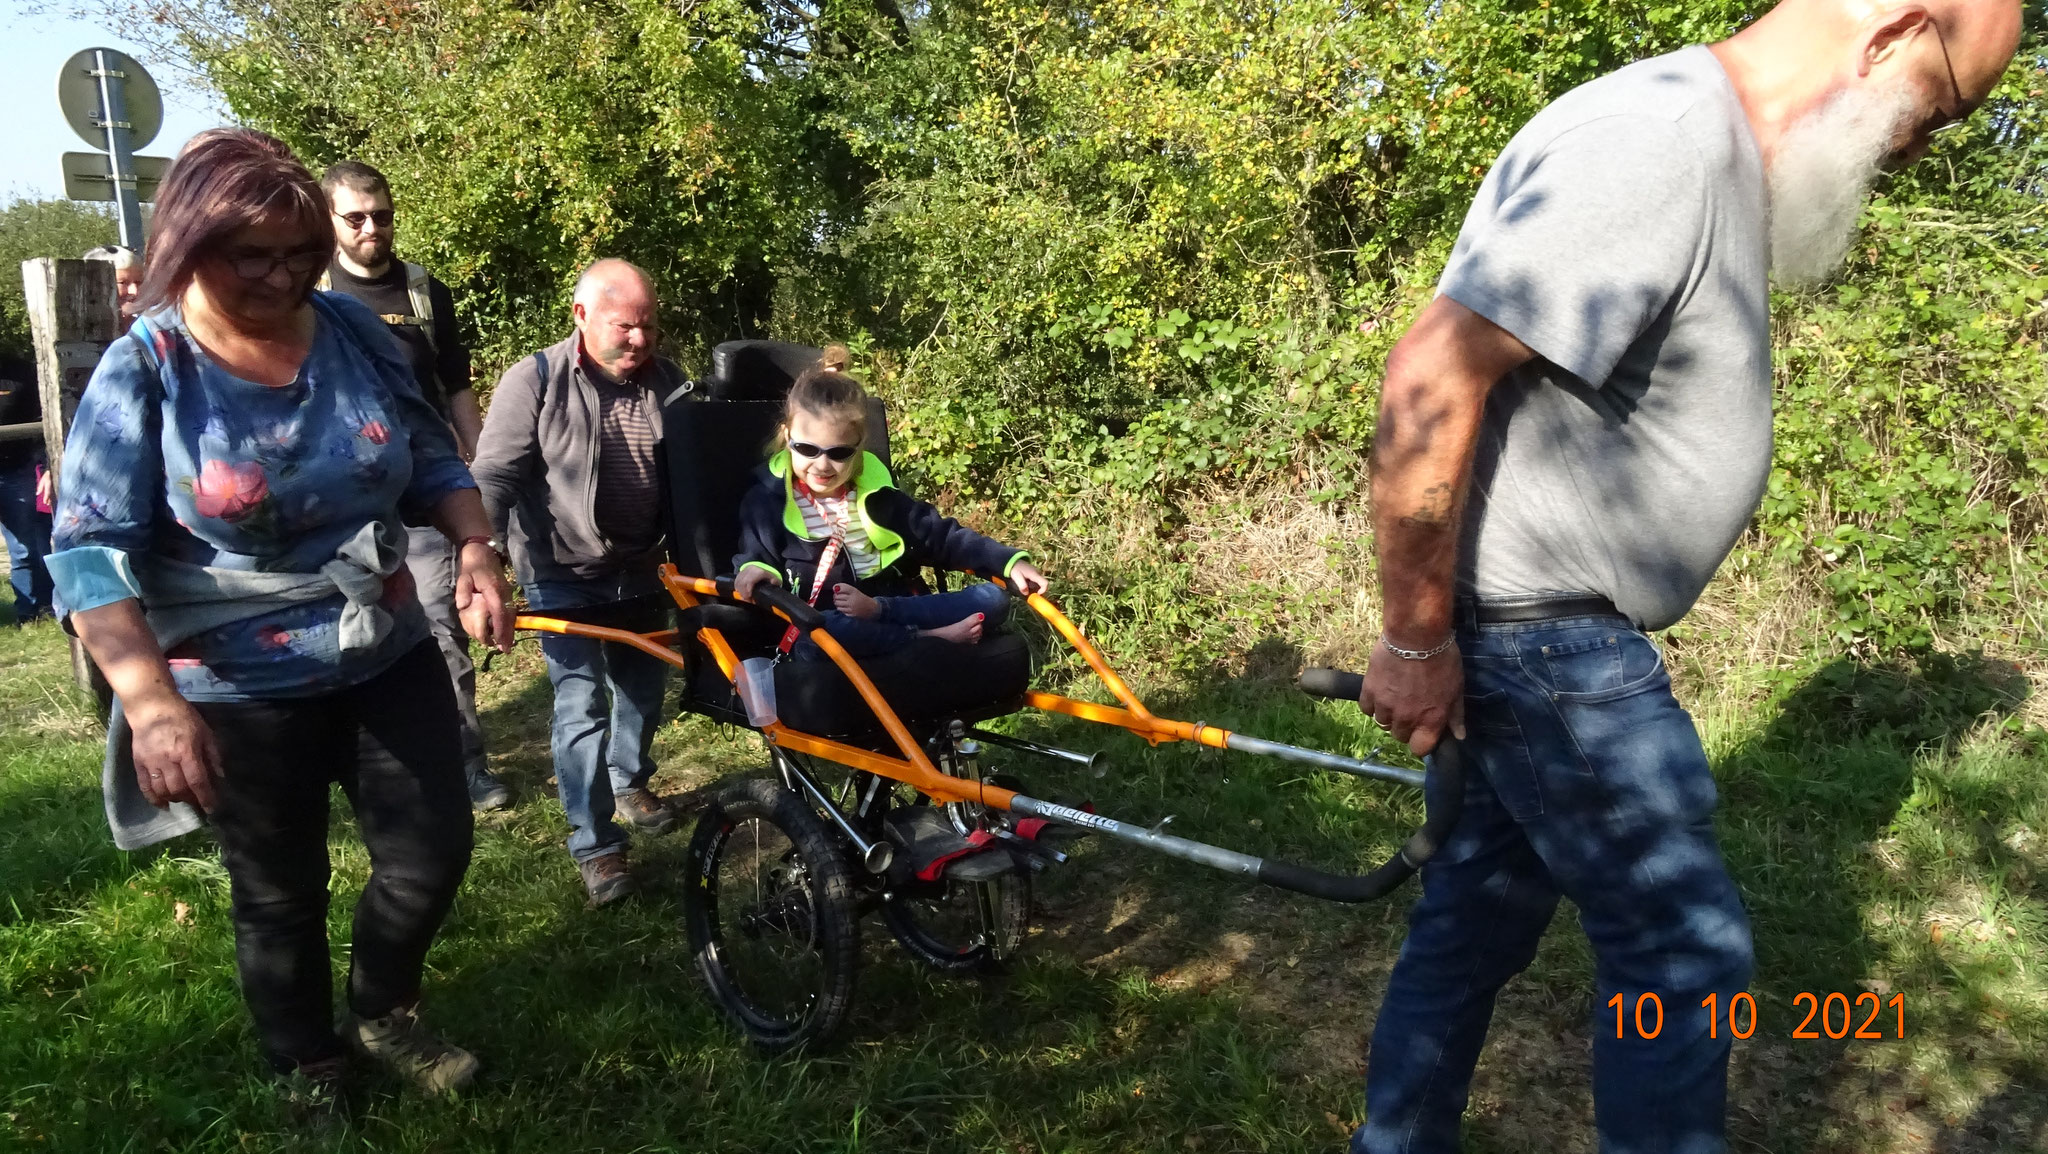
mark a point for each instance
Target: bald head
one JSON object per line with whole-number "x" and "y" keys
{"x": 615, "y": 310}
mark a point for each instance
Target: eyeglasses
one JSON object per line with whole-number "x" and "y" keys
{"x": 256, "y": 266}
{"x": 355, "y": 219}
{"x": 1949, "y": 119}
{"x": 810, "y": 452}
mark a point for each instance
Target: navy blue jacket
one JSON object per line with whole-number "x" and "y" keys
{"x": 908, "y": 533}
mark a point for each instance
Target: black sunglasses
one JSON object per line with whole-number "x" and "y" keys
{"x": 355, "y": 219}
{"x": 256, "y": 266}
{"x": 810, "y": 452}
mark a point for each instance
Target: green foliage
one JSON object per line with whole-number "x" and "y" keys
{"x": 1120, "y": 250}
{"x": 33, "y": 228}
{"x": 525, "y": 139}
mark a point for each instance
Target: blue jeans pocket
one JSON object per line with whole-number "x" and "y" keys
{"x": 1603, "y": 664}
{"x": 1494, "y": 740}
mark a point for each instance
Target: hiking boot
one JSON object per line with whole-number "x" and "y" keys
{"x": 399, "y": 1041}
{"x": 317, "y": 1093}
{"x": 607, "y": 879}
{"x": 487, "y": 793}
{"x": 647, "y": 812}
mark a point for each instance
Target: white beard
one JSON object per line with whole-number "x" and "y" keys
{"x": 1821, "y": 172}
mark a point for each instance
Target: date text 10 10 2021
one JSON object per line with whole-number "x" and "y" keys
{"x": 1827, "y": 1015}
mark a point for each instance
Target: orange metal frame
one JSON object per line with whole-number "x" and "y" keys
{"x": 913, "y": 768}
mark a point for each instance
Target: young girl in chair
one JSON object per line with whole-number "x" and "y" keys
{"x": 826, "y": 516}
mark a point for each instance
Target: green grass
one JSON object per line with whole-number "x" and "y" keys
{"x": 1886, "y": 826}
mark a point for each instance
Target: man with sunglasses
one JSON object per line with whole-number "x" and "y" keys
{"x": 568, "y": 473}
{"x": 1571, "y": 438}
{"x": 419, "y": 311}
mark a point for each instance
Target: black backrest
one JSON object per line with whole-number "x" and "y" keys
{"x": 764, "y": 371}
{"x": 711, "y": 450}
{"x": 757, "y": 370}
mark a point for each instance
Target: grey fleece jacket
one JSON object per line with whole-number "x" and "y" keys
{"x": 536, "y": 464}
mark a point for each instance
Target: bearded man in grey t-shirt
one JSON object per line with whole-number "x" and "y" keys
{"x": 1571, "y": 438}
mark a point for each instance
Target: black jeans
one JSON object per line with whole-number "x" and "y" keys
{"x": 393, "y": 745}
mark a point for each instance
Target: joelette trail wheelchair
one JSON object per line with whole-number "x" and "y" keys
{"x": 878, "y": 799}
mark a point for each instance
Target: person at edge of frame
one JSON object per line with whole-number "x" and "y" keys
{"x": 1571, "y": 437}
{"x": 568, "y": 472}
{"x": 25, "y": 492}
{"x": 127, "y": 276}
{"x": 421, "y": 314}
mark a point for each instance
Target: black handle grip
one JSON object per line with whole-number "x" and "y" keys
{"x": 1447, "y": 764}
{"x": 789, "y": 605}
{"x": 1333, "y": 683}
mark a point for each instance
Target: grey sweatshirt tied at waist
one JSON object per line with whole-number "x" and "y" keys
{"x": 181, "y": 601}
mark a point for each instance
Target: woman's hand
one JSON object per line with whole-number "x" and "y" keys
{"x": 1027, "y": 580}
{"x": 175, "y": 755}
{"x": 482, "y": 597}
{"x": 750, "y": 579}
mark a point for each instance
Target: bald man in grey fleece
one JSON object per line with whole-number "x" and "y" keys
{"x": 567, "y": 468}
{"x": 1571, "y": 438}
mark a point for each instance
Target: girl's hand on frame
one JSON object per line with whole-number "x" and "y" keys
{"x": 1027, "y": 580}
{"x": 750, "y": 579}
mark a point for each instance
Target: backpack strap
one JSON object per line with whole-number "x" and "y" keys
{"x": 418, "y": 286}
{"x": 145, "y": 335}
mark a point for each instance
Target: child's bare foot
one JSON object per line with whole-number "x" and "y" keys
{"x": 855, "y": 603}
{"x": 964, "y": 632}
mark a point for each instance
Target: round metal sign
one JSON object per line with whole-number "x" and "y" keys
{"x": 78, "y": 94}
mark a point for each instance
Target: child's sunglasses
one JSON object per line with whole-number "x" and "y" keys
{"x": 810, "y": 452}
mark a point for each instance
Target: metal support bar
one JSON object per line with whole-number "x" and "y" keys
{"x": 1215, "y": 857}
{"x": 114, "y": 109}
{"x": 1352, "y": 766}
{"x": 875, "y": 856}
{"x": 1094, "y": 761}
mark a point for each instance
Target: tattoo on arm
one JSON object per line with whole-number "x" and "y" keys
{"x": 1435, "y": 510}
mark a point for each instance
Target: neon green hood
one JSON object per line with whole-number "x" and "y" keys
{"x": 872, "y": 478}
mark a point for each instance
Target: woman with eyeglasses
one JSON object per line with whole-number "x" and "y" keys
{"x": 861, "y": 537}
{"x": 229, "y": 546}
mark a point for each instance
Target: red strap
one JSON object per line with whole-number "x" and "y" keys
{"x": 976, "y": 841}
{"x": 825, "y": 561}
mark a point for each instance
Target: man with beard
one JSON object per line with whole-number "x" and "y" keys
{"x": 418, "y": 309}
{"x": 567, "y": 465}
{"x": 1571, "y": 438}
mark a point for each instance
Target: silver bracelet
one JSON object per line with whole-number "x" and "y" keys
{"x": 1419, "y": 654}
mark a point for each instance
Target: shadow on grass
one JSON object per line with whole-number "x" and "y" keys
{"x": 1807, "y": 802}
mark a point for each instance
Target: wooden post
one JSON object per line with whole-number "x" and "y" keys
{"x": 72, "y": 318}
{"x": 71, "y": 314}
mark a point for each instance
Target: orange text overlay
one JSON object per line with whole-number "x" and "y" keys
{"x": 1865, "y": 1016}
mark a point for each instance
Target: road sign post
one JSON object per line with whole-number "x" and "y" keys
{"x": 113, "y": 104}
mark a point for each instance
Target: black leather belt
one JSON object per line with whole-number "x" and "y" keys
{"x": 1548, "y": 609}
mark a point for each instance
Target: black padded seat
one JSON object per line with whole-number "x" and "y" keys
{"x": 925, "y": 681}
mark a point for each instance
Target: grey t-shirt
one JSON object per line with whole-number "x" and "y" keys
{"x": 1623, "y": 236}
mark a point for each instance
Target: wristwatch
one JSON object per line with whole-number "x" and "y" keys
{"x": 490, "y": 543}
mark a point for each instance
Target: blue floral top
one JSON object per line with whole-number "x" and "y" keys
{"x": 194, "y": 464}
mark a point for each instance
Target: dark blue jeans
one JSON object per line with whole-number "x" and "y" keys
{"x": 902, "y": 617}
{"x": 607, "y": 706}
{"x": 28, "y": 542}
{"x": 1584, "y": 779}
